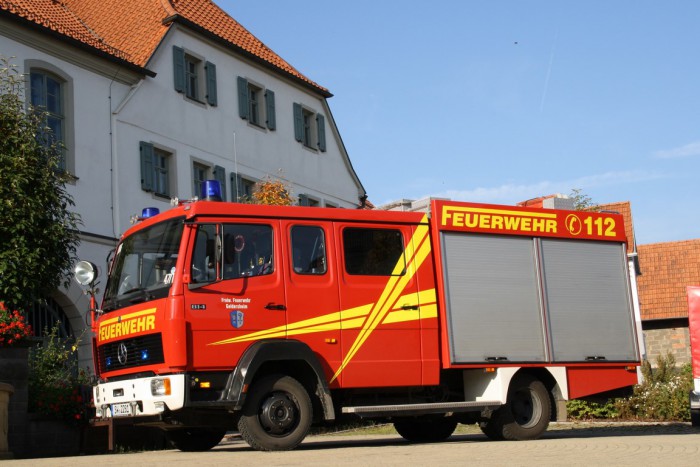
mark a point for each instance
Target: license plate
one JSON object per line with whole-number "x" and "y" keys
{"x": 121, "y": 410}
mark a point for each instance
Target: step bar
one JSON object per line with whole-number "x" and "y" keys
{"x": 421, "y": 409}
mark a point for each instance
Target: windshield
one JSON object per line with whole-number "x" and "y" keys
{"x": 144, "y": 265}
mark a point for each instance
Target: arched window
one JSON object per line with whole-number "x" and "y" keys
{"x": 47, "y": 95}
{"x": 45, "y": 314}
{"x": 50, "y": 90}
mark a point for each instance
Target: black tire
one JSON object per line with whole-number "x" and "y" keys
{"x": 429, "y": 430}
{"x": 277, "y": 414}
{"x": 695, "y": 418}
{"x": 525, "y": 415}
{"x": 195, "y": 439}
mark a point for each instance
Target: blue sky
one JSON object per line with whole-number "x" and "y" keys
{"x": 503, "y": 101}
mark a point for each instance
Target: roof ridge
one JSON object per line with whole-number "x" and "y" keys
{"x": 168, "y": 7}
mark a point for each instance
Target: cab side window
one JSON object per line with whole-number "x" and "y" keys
{"x": 204, "y": 261}
{"x": 373, "y": 252}
{"x": 308, "y": 250}
{"x": 247, "y": 250}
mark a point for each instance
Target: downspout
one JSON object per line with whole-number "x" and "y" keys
{"x": 114, "y": 159}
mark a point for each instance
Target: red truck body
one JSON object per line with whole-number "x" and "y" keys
{"x": 265, "y": 319}
{"x": 694, "y": 330}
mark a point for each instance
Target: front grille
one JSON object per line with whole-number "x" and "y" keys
{"x": 130, "y": 353}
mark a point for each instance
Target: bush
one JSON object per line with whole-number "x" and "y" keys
{"x": 583, "y": 410}
{"x": 662, "y": 396}
{"x": 56, "y": 384}
{"x": 664, "y": 393}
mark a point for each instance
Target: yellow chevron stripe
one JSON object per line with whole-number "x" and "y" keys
{"x": 353, "y": 319}
{"x": 392, "y": 290}
{"x": 385, "y": 310}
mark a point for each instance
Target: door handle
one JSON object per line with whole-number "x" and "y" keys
{"x": 409, "y": 307}
{"x": 275, "y": 306}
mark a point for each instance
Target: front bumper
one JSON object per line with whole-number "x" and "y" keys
{"x": 140, "y": 397}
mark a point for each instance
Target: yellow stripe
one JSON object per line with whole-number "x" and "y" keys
{"x": 392, "y": 290}
{"x": 447, "y": 208}
{"x": 352, "y": 318}
{"x": 136, "y": 314}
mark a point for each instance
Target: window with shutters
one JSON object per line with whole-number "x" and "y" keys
{"x": 256, "y": 104}
{"x": 309, "y": 127}
{"x": 161, "y": 172}
{"x": 201, "y": 172}
{"x": 194, "y": 76}
{"x": 306, "y": 200}
{"x": 241, "y": 188}
{"x": 156, "y": 170}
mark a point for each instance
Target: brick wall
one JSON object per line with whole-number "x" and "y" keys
{"x": 661, "y": 341}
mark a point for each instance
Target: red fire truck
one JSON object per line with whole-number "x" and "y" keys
{"x": 267, "y": 320}
{"x": 694, "y": 328}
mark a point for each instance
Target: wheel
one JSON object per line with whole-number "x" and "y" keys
{"x": 195, "y": 439}
{"x": 277, "y": 414}
{"x": 695, "y": 417}
{"x": 526, "y": 412}
{"x": 426, "y": 430}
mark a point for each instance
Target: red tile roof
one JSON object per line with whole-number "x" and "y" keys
{"x": 624, "y": 208}
{"x": 667, "y": 268}
{"x": 132, "y": 29}
{"x": 57, "y": 17}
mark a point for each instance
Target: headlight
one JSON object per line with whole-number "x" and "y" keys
{"x": 160, "y": 387}
{"x": 85, "y": 272}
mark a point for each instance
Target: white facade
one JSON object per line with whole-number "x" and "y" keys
{"x": 111, "y": 110}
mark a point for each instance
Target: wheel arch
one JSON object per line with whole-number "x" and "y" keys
{"x": 554, "y": 380}
{"x": 288, "y": 357}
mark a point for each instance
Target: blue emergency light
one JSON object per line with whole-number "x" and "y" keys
{"x": 149, "y": 212}
{"x": 211, "y": 190}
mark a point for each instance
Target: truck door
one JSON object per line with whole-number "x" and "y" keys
{"x": 378, "y": 288}
{"x": 312, "y": 290}
{"x": 236, "y": 293}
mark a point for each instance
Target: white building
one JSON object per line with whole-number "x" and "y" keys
{"x": 153, "y": 96}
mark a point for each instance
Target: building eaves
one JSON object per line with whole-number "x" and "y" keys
{"x": 55, "y": 19}
{"x": 208, "y": 19}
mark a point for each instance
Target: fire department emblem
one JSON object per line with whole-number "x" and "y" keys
{"x": 237, "y": 319}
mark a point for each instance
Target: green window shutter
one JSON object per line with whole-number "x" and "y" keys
{"x": 220, "y": 176}
{"x": 271, "y": 120}
{"x": 303, "y": 200}
{"x": 179, "y": 68}
{"x": 321, "y": 123}
{"x": 210, "y": 70}
{"x": 243, "y": 98}
{"x": 298, "y": 123}
{"x": 146, "y": 153}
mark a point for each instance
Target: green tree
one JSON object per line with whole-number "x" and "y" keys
{"x": 582, "y": 202}
{"x": 38, "y": 232}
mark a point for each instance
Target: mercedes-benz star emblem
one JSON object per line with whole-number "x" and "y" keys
{"x": 122, "y": 353}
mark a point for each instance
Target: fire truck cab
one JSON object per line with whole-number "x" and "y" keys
{"x": 268, "y": 320}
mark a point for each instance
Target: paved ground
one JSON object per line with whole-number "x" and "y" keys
{"x": 563, "y": 444}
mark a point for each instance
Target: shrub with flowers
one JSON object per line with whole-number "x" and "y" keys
{"x": 57, "y": 387}
{"x": 662, "y": 396}
{"x": 13, "y": 328}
